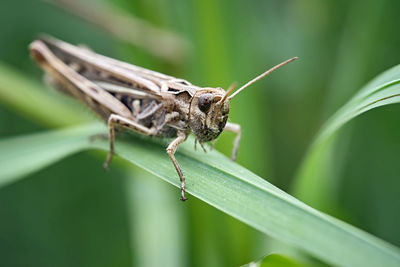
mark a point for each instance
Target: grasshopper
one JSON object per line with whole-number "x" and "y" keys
{"x": 134, "y": 98}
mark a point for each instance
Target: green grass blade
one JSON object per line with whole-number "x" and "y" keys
{"x": 313, "y": 183}
{"x": 20, "y": 156}
{"x": 223, "y": 184}
{"x": 383, "y": 90}
{"x": 274, "y": 260}
{"x": 32, "y": 100}
{"x": 144, "y": 197}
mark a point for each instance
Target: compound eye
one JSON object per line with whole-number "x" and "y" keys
{"x": 204, "y": 102}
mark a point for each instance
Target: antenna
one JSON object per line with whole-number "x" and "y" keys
{"x": 260, "y": 77}
{"x": 230, "y": 89}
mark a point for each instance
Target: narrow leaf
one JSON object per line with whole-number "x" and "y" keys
{"x": 274, "y": 260}
{"x": 223, "y": 184}
{"x": 313, "y": 183}
{"x": 32, "y": 100}
{"x": 20, "y": 156}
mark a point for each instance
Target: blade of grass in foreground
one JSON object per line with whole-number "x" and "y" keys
{"x": 220, "y": 182}
{"x": 20, "y": 156}
{"x": 313, "y": 183}
{"x": 274, "y": 260}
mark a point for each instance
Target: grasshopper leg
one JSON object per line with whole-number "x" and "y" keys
{"x": 119, "y": 121}
{"x": 235, "y": 128}
{"x": 171, "y": 149}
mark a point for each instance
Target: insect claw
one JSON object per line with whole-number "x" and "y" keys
{"x": 182, "y": 187}
{"x": 202, "y": 146}
{"x": 183, "y": 198}
{"x": 212, "y": 145}
{"x": 107, "y": 162}
{"x": 105, "y": 166}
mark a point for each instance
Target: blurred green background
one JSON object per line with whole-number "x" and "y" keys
{"x": 74, "y": 214}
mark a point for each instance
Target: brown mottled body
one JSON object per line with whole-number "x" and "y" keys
{"x": 130, "y": 97}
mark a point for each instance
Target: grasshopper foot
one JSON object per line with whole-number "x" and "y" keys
{"x": 108, "y": 160}
{"x": 183, "y": 198}
{"x": 203, "y": 147}
{"x": 105, "y": 166}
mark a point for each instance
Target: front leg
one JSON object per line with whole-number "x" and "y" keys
{"x": 117, "y": 120}
{"x": 235, "y": 128}
{"x": 171, "y": 149}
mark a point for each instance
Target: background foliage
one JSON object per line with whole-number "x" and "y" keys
{"x": 73, "y": 213}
